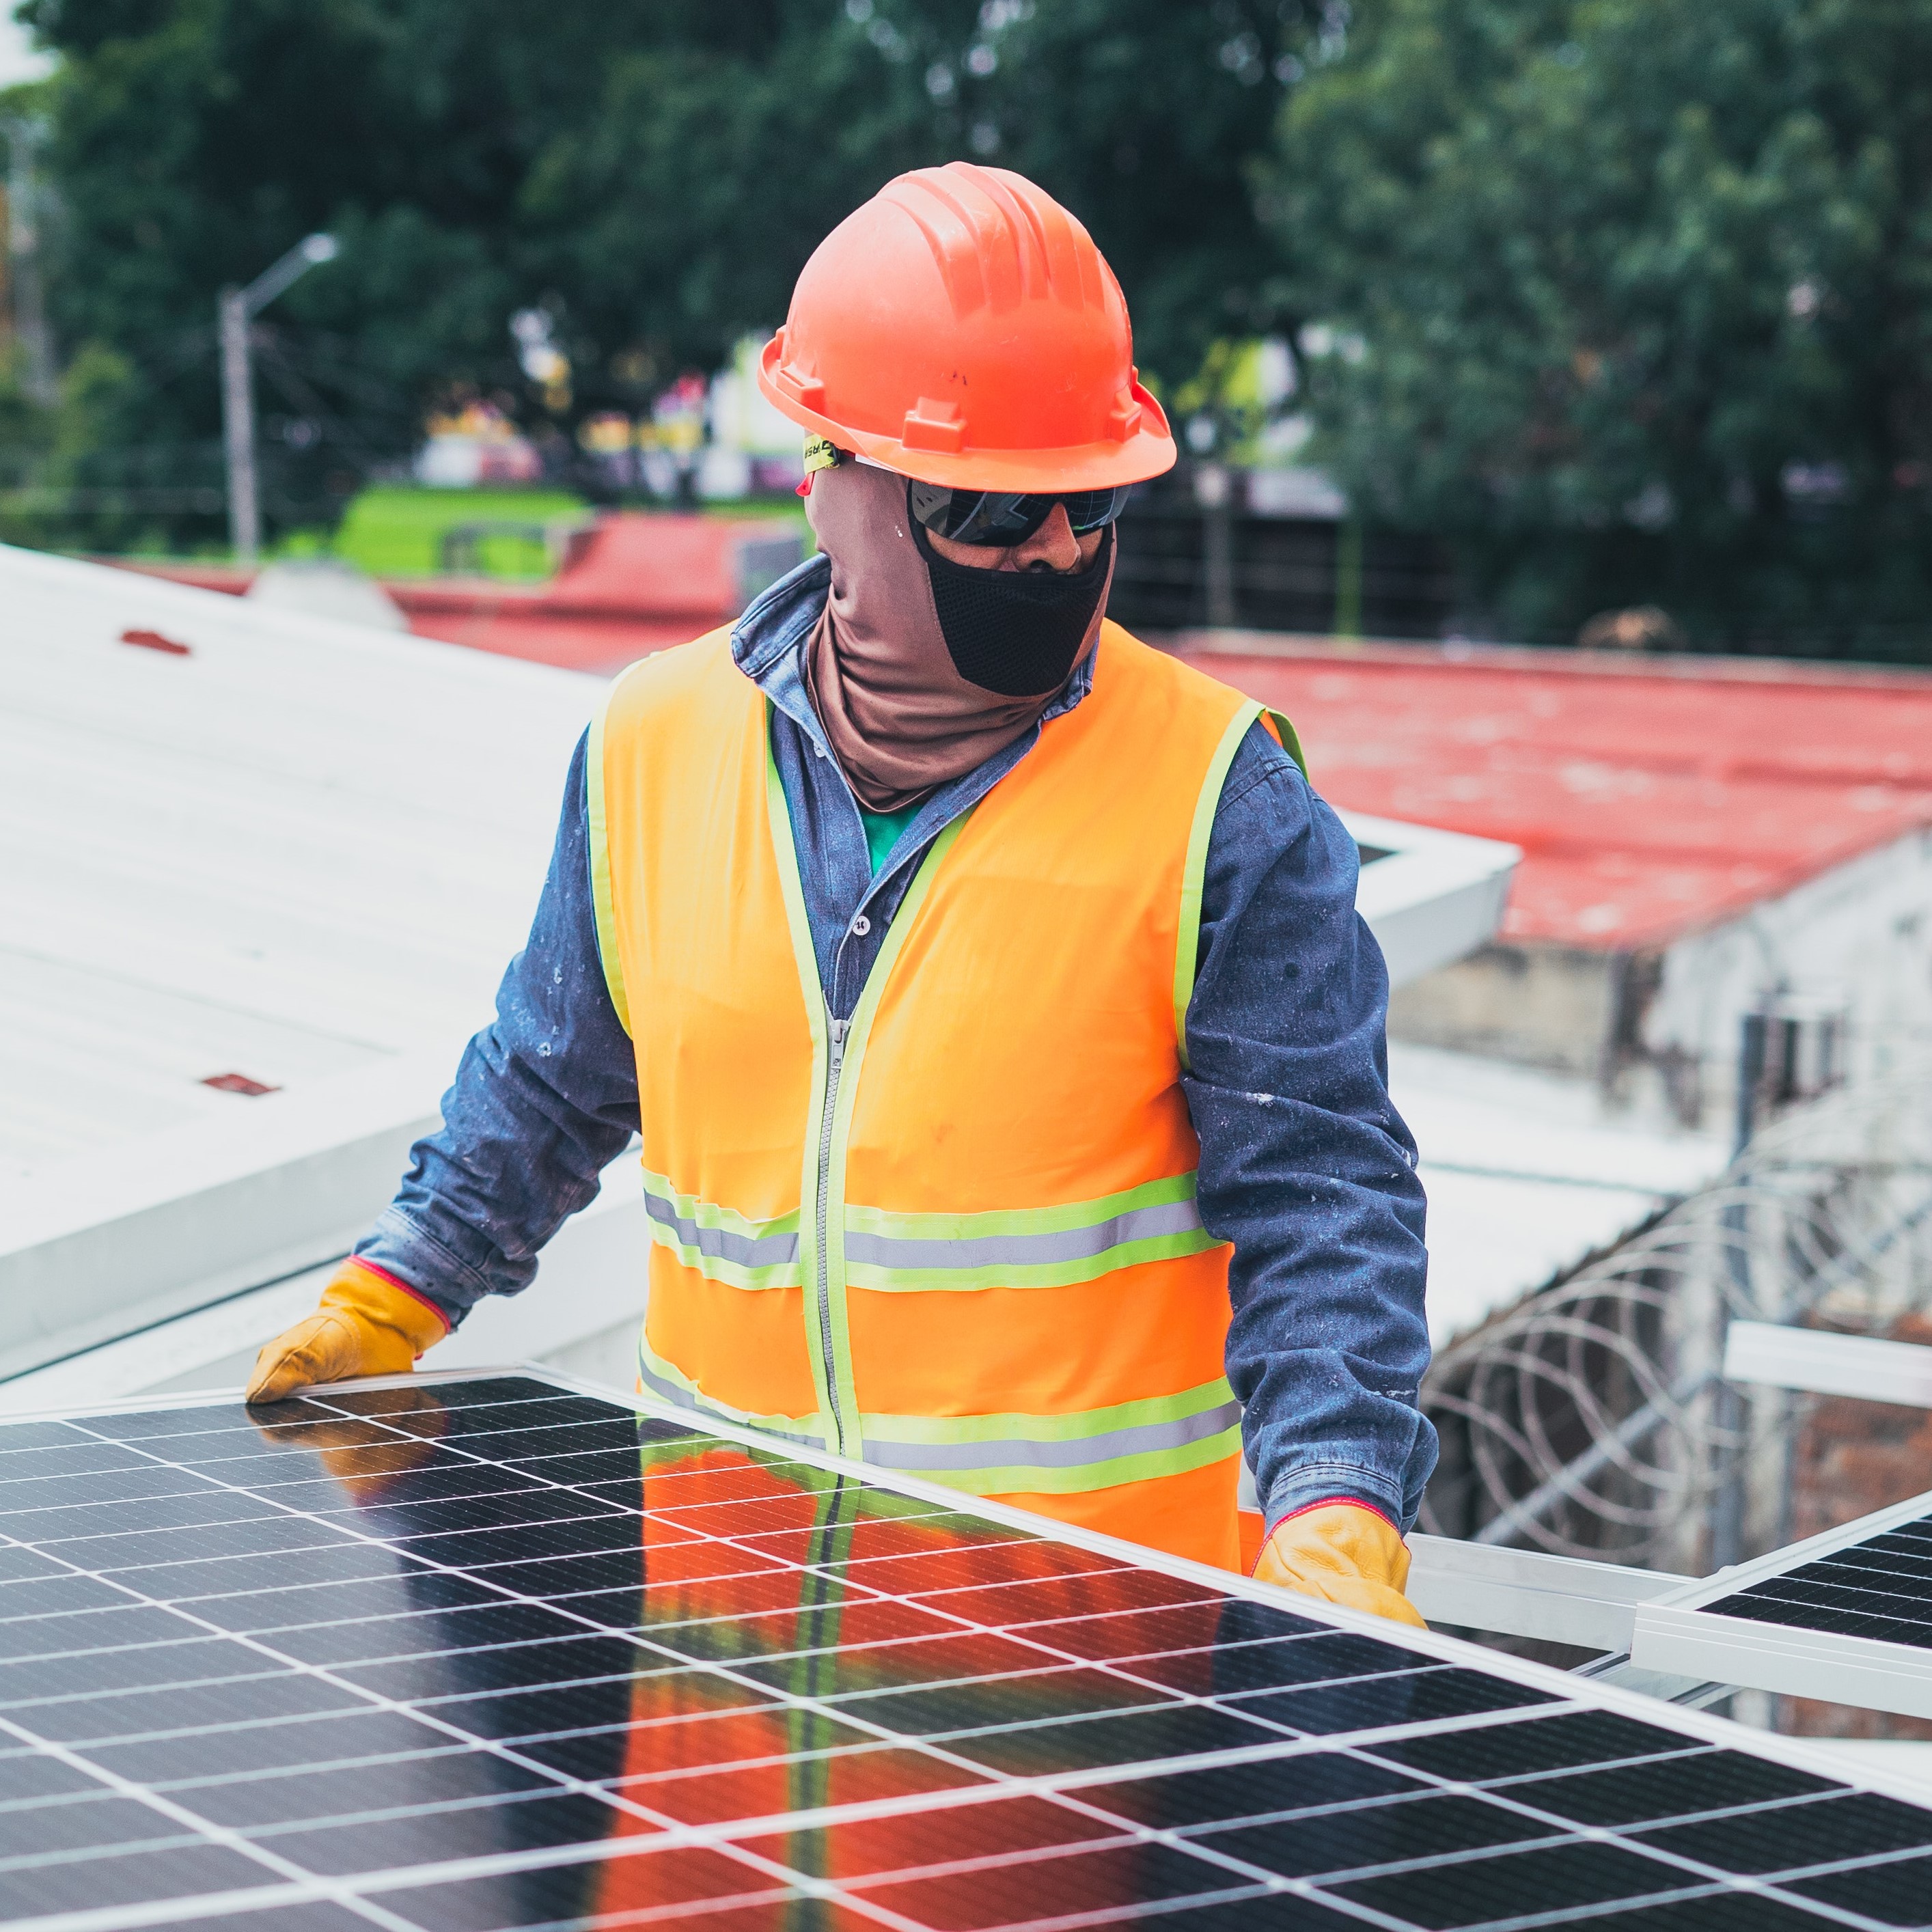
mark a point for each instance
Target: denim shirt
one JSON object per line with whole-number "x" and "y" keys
{"x": 1305, "y": 1168}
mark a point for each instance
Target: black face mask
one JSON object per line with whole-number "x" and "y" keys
{"x": 1016, "y": 633}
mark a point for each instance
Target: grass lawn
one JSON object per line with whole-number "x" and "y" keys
{"x": 394, "y": 530}
{"x": 391, "y": 530}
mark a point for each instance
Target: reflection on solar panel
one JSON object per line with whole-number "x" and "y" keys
{"x": 1846, "y": 1616}
{"x": 464, "y": 1654}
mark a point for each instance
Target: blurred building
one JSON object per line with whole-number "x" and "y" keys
{"x": 477, "y": 445}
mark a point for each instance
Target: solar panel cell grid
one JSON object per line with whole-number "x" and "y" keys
{"x": 1869, "y": 1581}
{"x": 1846, "y": 1617}
{"x": 471, "y": 1655}
{"x": 1900, "y": 1894}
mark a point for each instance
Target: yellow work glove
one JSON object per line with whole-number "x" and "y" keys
{"x": 367, "y": 1325}
{"x": 1344, "y": 1553}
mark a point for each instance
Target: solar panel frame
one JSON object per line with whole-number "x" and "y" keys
{"x": 1799, "y": 1655}
{"x": 298, "y": 1897}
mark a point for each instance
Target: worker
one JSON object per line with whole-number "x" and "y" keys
{"x": 986, "y": 987}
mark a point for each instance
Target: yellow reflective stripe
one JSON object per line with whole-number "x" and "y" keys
{"x": 959, "y": 1278}
{"x": 828, "y": 1332}
{"x": 1021, "y": 1479}
{"x": 1090, "y": 1449}
{"x": 1044, "y": 1247}
{"x": 666, "y": 1380}
{"x": 598, "y": 827}
{"x": 1291, "y": 738}
{"x": 1096, "y": 1429}
{"x": 860, "y": 1032}
{"x": 719, "y": 1242}
{"x": 1194, "y": 871}
{"x": 798, "y": 923}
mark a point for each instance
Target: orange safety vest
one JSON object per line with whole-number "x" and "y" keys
{"x": 955, "y": 1236}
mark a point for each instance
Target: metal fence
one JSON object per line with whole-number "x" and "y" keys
{"x": 1593, "y": 1421}
{"x": 1301, "y": 574}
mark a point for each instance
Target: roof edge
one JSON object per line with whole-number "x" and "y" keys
{"x": 1557, "y": 660}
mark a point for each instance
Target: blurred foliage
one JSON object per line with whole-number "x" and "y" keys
{"x": 1226, "y": 388}
{"x": 1629, "y": 299}
{"x": 1626, "y": 300}
{"x": 52, "y": 458}
{"x": 651, "y": 175}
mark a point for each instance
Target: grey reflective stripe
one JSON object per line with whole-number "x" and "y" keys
{"x": 680, "y": 1397}
{"x": 1026, "y": 1453}
{"x": 660, "y": 1385}
{"x": 745, "y": 1250}
{"x": 1060, "y": 1244}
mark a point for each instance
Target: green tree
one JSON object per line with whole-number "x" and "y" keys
{"x": 1629, "y": 299}
{"x": 711, "y": 163}
{"x": 194, "y": 140}
{"x": 651, "y": 175}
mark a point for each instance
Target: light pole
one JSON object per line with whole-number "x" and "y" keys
{"x": 235, "y": 309}
{"x": 25, "y": 137}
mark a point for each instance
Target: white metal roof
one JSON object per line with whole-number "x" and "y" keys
{"x": 301, "y": 847}
{"x": 290, "y": 849}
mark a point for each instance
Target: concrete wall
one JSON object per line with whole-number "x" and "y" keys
{"x": 1858, "y": 937}
{"x": 1539, "y": 1006}
{"x": 1660, "y": 1030}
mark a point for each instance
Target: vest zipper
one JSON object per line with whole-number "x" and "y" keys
{"x": 834, "y": 1069}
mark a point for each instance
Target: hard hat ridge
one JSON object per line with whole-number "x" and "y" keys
{"x": 962, "y": 327}
{"x": 999, "y": 240}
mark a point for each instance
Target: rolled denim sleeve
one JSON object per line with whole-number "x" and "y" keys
{"x": 545, "y": 1097}
{"x": 1306, "y": 1166}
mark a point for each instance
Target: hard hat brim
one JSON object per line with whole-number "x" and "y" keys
{"x": 1147, "y": 451}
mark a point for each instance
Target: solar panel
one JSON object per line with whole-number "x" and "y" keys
{"x": 1845, "y": 1616}
{"x": 471, "y": 1654}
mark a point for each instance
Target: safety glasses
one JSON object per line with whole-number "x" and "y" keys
{"x": 997, "y": 519}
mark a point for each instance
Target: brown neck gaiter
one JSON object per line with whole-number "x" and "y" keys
{"x": 901, "y": 719}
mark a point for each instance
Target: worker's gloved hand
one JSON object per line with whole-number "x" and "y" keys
{"x": 366, "y": 1325}
{"x": 1345, "y": 1553}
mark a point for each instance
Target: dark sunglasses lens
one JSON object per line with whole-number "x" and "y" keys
{"x": 998, "y": 518}
{"x": 990, "y": 517}
{"x": 1093, "y": 509}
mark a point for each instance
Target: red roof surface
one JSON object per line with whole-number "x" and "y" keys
{"x": 1652, "y": 796}
{"x": 637, "y": 583}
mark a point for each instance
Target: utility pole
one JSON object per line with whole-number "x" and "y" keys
{"x": 1730, "y": 1411}
{"x": 235, "y": 309}
{"x": 1214, "y": 491}
{"x": 24, "y": 137}
{"x": 1349, "y": 576}
{"x": 238, "y": 431}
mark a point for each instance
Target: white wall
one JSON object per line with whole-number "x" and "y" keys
{"x": 1859, "y": 936}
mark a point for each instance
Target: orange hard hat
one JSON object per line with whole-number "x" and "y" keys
{"x": 962, "y": 329}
